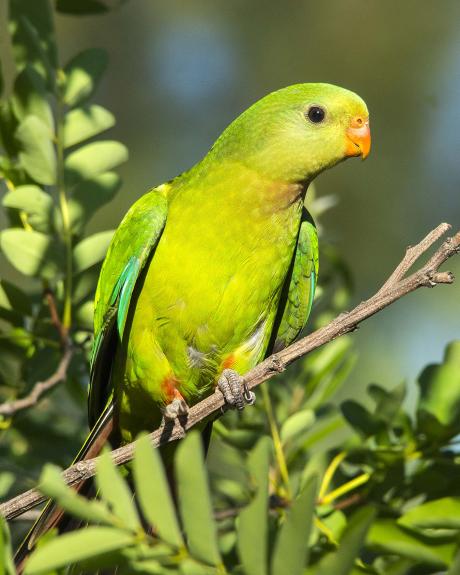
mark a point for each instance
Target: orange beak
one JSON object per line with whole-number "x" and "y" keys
{"x": 359, "y": 138}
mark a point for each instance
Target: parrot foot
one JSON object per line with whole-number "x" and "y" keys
{"x": 174, "y": 409}
{"x": 235, "y": 390}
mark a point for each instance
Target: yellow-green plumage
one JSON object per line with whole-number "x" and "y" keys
{"x": 221, "y": 261}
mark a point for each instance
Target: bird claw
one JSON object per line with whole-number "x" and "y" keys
{"x": 174, "y": 409}
{"x": 235, "y": 390}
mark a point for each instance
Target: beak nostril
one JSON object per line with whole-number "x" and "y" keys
{"x": 359, "y": 137}
{"x": 359, "y": 122}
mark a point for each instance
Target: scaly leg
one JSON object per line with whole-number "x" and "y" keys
{"x": 235, "y": 390}
{"x": 177, "y": 407}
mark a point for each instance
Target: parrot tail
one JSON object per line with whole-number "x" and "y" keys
{"x": 54, "y": 517}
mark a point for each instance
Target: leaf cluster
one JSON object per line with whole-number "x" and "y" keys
{"x": 55, "y": 173}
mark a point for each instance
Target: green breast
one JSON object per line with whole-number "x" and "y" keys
{"x": 222, "y": 260}
{"x": 213, "y": 283}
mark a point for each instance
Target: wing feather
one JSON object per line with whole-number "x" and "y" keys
{"x": 132, "y": 246}
{"x": 297, "y": 297}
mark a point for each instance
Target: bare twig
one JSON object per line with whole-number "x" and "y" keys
{"x": 55, "y": 319}
{"x": 348, "y": 502}
{"x": 412, "y": 255}
{"x": 399, "y": 286}
{"x": 9, "y": 408}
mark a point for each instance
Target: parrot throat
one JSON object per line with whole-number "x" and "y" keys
{"x": 256, "y": 192}
{"x": 285, "y": 195}
{"x": 251, "y": 188}
{"x": 275, "y": 196}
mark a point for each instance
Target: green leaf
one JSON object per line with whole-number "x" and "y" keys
{"x": 387, "y": 403}
{"x": 153, "y": 493}
{"x": 386, "y": 537}
{"x": 84, "y": 315}
{"x": 37, "y": 155}
{"x": 76, "y": 547}
{"x": 14, "y": 299}
{"x": 83, "y": 74}
{"x": 30, "y": 98}
{"x": 15, "y": 346}
{"x": 190, "y": 567}
{"x": 439, "y": 514}
{"x": 455, "y": 566}
{"x": 334, "y": 520}
{"x": 85, "y": 285}
{"x": 12, "y": 358}
{"x": 452, "y": 353}
{"x": 252, "y": 526}
{"x": 291, "y": 548}
{"x": 33, "y": 44}
{"x": 91, "y": 250}
{"x": 241, "y": 438}
{"x": 35, "y": 203}
{"x": 429, "y": 426}
{"x": 143, "y": 551}
{"x": 6, "y": 552}
{"x": 115, "y": 491}
{"x": 440, "y": 390}
{"x": 342, "y": 561}
{"x": 52, "y": 485}
{"x": 195, "y": 500}
{"x": 360, "y": 418}
{"x": 332, "y": 382}
{"x": 8, "y": 125}
{"x": 83, "y": 123}
{"x": 329, "y": 432}
{"x": 90, "y": 195}
{"x": 94, "y": 159}
{"x": 297, "y": 424}
{"x": 32, "y": 253}
{"x": 150, "y": 567}
{"x": 326, "y": 369}
{"x": 7, "y": 479}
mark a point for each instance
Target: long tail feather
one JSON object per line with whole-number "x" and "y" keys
{"x": 52, "y": 516}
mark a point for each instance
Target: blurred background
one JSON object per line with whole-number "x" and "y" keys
{"x": 181, "y": 71}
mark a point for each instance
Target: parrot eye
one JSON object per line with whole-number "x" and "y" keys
{"x": 316, "y": 114}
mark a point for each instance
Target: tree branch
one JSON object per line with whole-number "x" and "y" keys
{"x": 54, "y": 314}
{"x": 9, "y": 408}
{"x": 412, "y": 255}
{"x": 394, "y": 288}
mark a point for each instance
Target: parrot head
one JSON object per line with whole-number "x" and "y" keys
{"x": 295, "y": 133}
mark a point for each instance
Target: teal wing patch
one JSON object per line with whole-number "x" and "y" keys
{"x": 130, "y": 249}
{"x": 297, "y": 300}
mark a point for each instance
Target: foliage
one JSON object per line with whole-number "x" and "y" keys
{"x": 355, "y": 488}
{"x": 55, "y": 173}
{"x": 300, "y": 483}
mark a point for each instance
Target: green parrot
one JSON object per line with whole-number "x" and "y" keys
{"x": 212, "y": 271}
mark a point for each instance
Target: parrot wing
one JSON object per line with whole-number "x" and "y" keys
{"x": 131, "y": 247}
{"x": 299, "y": 290}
